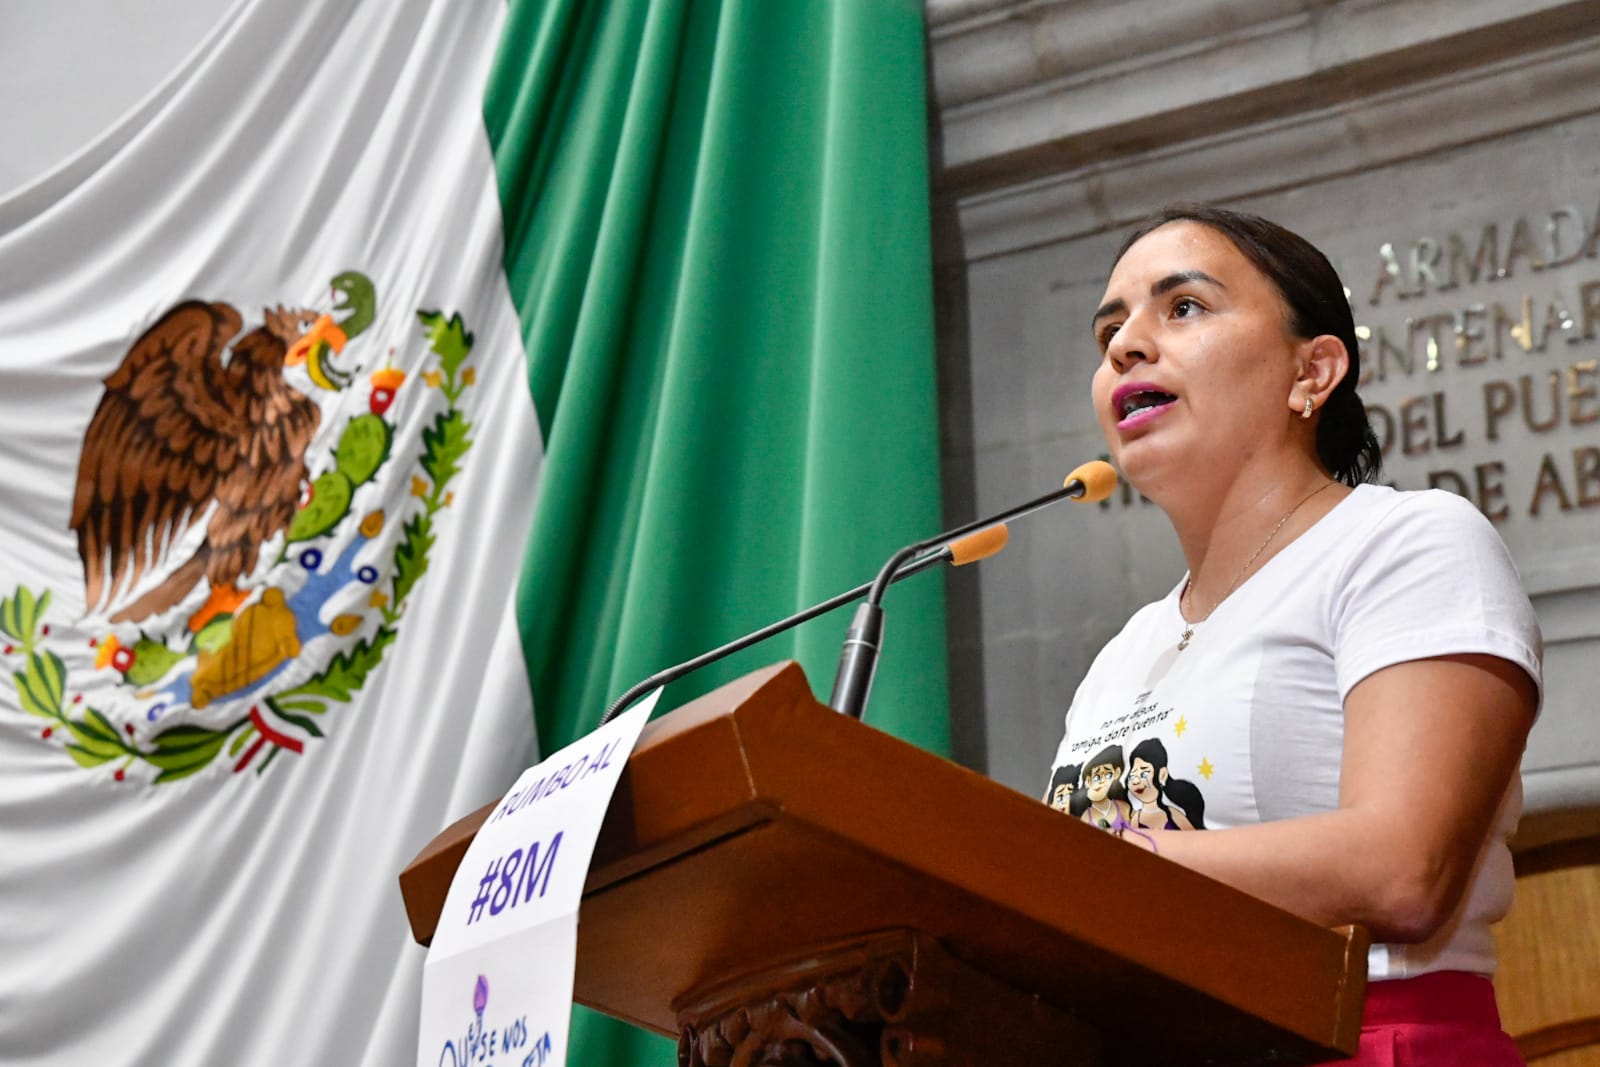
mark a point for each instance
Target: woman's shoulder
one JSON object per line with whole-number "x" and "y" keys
{"x": 1426, "y": 574}
{"x": 1412, "y": 504}
{"x": 1382, "y": 513}
{"x": 1430, "y": 547}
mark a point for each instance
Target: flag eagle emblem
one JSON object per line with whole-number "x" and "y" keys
{"x": 242, "y": 575}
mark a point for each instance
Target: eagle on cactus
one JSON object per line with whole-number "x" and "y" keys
{"x": 200, "y": 432}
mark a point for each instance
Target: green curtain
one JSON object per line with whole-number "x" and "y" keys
{"x": 716, "y": 219}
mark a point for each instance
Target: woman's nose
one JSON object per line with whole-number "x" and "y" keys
{"x": 1126, "y": 356}
{"x": 1129, "y": 346}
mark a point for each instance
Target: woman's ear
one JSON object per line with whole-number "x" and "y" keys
{"x": 1323, "y": 364}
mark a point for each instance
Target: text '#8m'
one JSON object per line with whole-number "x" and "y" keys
{"x": 500, "y": 887}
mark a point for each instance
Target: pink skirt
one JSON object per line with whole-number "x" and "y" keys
{"x": 1445, "y": 1019}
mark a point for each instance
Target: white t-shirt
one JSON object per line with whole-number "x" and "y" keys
{"x": 1246, "y": 724}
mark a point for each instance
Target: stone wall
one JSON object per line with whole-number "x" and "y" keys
{"x": 1445, "y": 155}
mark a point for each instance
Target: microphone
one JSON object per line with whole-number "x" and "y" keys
{"x": 858, "y": 659}
{"x": 958, "y": 553}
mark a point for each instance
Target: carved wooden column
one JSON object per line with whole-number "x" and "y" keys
{"x": 896, "y": 999}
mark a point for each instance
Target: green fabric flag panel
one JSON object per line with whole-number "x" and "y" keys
{"x": 717, "y": 237}
{"x": 716, "y": 219}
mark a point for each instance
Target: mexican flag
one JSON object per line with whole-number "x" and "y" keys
{"x": 385, "y": 392}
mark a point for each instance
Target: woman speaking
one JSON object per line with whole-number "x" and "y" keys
{"x": 1331, "y": 705}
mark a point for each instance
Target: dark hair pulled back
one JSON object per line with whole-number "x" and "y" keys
{"x": 1317, "y": 305}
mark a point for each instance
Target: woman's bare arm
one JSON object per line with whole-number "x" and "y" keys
{"x": 1429, "y": 748}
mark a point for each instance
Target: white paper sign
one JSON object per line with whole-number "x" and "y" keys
{"x": 497, "y": 987}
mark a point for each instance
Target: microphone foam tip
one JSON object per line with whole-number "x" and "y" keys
{"x": 980, "y": 545}
{"x": 1099, "y": 479}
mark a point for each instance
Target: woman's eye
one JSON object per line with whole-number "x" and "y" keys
{"x": 1184, "y": 307}
{"x": 1106, "y": 334}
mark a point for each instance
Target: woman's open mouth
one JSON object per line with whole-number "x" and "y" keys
{"x": 1138, "y": 404}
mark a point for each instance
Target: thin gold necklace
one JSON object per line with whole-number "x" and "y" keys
{"x": 1188, "y": 630}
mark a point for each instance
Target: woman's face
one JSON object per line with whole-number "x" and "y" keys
{"x": 1141, "y": 781}
{"x": 1100, "y": 781}
{"x": 1198, "y": 365}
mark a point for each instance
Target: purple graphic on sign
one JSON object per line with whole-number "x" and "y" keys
{"x": 480, "y": 996}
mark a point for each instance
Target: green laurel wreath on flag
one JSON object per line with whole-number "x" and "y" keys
{"x": 179, "y": 751}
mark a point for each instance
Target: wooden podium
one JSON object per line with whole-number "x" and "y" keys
{"x": 779, "y": 884}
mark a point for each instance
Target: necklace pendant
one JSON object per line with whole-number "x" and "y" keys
{"x": 1183, "y": 642}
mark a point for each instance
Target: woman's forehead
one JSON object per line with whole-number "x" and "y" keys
{"x": 1177, "y": 247}
{"x": 1185, "y": 250}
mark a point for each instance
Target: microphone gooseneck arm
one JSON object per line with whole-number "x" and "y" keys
{"x": 672, "y": 674}
{"x": 888, "y": 574}
{"x": 967, "y": 544}
{"x": 858, "y": 659}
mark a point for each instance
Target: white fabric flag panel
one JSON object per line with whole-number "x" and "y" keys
{"x": 265, "y": 480}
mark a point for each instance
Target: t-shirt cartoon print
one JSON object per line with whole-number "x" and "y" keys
{"x": 1246, "y": 724}
{"x": 1120, "y": 776}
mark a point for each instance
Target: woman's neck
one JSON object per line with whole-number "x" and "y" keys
{"x": 1238, "y": 524}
